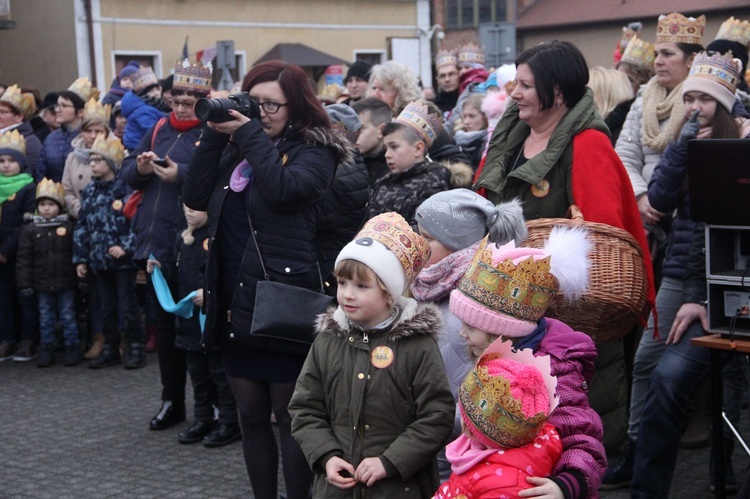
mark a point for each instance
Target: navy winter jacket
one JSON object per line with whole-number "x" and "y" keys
{"x": 160, "y": 216}
{"x": 141, "y": 117}
{"x": 101, "y": 225}
{"x": 54, "y": 152}
{"x": 33, "y": 146}
{"x": 290, "y": 178}
{"x": 12, "y": 218}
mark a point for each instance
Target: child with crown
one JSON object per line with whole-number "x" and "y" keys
{"x": 17, "y": 192}
{"x": 45, "y": 269}
{"x": 412, "y": 178}
{"x": 504, "y": 294}
{"x": 103, "y": 244}
{"x": 375, "y": 363}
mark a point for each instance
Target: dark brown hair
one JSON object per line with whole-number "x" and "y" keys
{"x": 305, "y": 110}
{"x": 557, "y": 64}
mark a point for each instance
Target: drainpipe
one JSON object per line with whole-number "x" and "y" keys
{"x": 90, "y": 29}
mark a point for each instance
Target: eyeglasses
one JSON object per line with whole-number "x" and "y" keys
{"x": 443, "y": 76}
{"x": 186, "y": 105}
{"x": 5, "y": 111}
{"x": 94, "y": 160}
{"x": 63, "y": 106}
{"x": 271, "y": 107}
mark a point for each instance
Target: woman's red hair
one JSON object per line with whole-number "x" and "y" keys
{"x": 305, "y": 110}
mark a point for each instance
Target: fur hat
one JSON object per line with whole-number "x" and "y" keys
{"x": 49, "y": 189}
{"x": 389, "y": 246}
{"x": 14, "y": 145}
{"x": 506, "y": 399}
{"x": 459, "y": 217}
{"x": 345, "y": 120}
{"x": 717, "y": 76}
{"x": 507, "y": 289}
{"x": 360, "y": 69}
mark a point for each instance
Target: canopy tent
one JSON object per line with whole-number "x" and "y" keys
{"x": 303, "y": 56}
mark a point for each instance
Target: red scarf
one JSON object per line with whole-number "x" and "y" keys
{"x": 182, "y": 125}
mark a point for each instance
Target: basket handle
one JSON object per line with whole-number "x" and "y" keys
{"x": 575, "y": 215}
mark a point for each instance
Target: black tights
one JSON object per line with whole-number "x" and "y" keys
{"x": 255, "y": 400}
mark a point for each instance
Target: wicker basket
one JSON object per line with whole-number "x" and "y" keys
{"x": 617, "y": 279}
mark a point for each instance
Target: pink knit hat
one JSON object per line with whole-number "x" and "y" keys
{"x": 506, "y": 399}
{"x": 506, "y": 289}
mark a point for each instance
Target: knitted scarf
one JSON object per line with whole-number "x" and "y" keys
{"x": 660, "y": 105}
{"x": 11, "y": 185}
{"x": 437, "y": 281}
{"x": 182, "y": 125}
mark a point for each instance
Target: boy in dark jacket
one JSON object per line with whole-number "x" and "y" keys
{"x": 16, "y": 199}
{"x": 374, "y": 114}
{"x": 375, "y": 362}
{"x": 412, "y": 179}
{"x": 45, "y": 267}
{"x": 103, "y": 241}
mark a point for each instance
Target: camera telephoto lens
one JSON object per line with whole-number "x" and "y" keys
{"x": 216, "y": 110}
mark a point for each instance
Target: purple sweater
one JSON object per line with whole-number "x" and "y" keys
{"x": 581, "y": 467}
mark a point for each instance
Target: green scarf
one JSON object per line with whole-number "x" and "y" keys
{"x": 11, "y": 185}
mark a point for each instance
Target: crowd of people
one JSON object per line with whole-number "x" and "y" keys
{"x": 441, "y": 371}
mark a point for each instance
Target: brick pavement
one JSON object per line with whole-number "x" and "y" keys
{"x": 75, "y": 432}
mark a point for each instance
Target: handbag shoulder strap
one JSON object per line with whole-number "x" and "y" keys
{"x": 260, "y": 256}
{"x": 159, "y": 124}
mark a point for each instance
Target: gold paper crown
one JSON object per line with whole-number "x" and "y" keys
{"x": 144, "y": 77}
{"x": 676, "y": 28}
{"x": 417, "y": 117}
{"x": 471, "y": 53}
{"x": 735, "y": 30}
{"x": 93, "y": 110}
{"x": 21, "y": 102}
{"x": 110, "y": 148}
{"x": 488, "y": 404}
{"x": 522, "y": 291}
{"x": 14, "y": 141}
{"x": 639, "y": 53}
{"x": 192, "y": 77}
{"x": 49, "y": 189}
{"x": 445, "y": 57}
{"x": 331, "y": 92}
{"x": 721, "y": 69}
{"x": 83, "y": 89}
{"x": 392, "y": 231}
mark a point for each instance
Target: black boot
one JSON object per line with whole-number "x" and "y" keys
{"x": 730, "y": 481}
{"x": 620, "y": 473}
{"x": 109, "y": 357}
{"x": 136, "y": 356}
{"x": 169, "y": 415}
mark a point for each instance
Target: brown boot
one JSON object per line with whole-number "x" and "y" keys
{"x": 97, "y": 344}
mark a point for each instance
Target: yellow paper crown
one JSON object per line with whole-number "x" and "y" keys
{"x": 83, "y": 89}
{"x": 331, "y": 92}
{"x": 144, "y": 78}
{"x": 192, "y": 77}
{"x": 21, "y": 102}
{"x": 49, "y": 189}
{"x": 445, "y": 57}
{"x": 471, "y": 53}
{"x": 719, "y": 68}
{"x": 14, "y": 141}
{"x": 522, "y": 291}
{"x": 639, "y": 53}
{"x": 96, "y": 111}
{"x": 393, "y": 231}
{"x": 417, "y": 117}
{"x": 676, "y": 28}
{"x": 735, "y": 30}
{"x": 109, "y": 147}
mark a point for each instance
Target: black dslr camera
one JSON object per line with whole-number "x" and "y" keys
{"x": 216, "y": 110}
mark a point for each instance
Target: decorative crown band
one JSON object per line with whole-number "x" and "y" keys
{"x": 445, "y": 57}
{"x": 522, "y": 291}
{"x": 676, "y": 28}
{"x": 471, "y": 53}
{"x": 639, "y": 53}
{"x": 722, "y": 69}
{"x": 109, "y": 147}
{"x": 23, "y": 103}
{"x": 145, "y": 77}
{"x": 735, "y": 30}
{"x": 417, "y": 117}
{"x": 14, "y": 141}
{"x": 192, "y": 77}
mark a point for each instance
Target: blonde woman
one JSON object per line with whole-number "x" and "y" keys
{"x": 613, "y": 96}
{"x": 394, "y": 84}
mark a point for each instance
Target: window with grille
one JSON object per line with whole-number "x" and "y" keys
{"x": 462, "y": 14}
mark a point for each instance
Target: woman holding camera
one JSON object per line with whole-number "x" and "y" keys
{"x": 259, "y": 176}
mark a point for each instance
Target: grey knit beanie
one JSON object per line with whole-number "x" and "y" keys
{"x": 346, "y": 120}
{"x": 458, "y": 218}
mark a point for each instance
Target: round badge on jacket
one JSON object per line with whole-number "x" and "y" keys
{"x": 541, "y": 189}
{"x": 61, "y": 231}
{"x": 117, "y": 204}
{"x": 381, "y": 357}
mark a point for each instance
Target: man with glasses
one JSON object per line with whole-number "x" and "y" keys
{"x": 446, "y": 66}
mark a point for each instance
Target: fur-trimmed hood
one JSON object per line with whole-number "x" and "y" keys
{"x": 413, "y": 320}
{"x": 462, "y": 174}
{"x": 341, "y": 147}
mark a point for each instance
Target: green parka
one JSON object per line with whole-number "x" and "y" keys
{"x": 345, "y": 406}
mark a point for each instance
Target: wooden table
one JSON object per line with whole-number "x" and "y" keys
{"x": 717, "y": 344}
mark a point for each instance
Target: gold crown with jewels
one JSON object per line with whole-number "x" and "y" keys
{"x": 445, "y": 57}
{"x": 639, "y": 53}
{"x": 416, "y": 116}
{"x": 21, "y": 102}
{"x": 471, "y": 53}
{"x": 194, "y": 77}
{"x": 676, "y": 28}
{"x": 719, "y": 68}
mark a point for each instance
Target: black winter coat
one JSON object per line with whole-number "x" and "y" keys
{"x": 45, "y": 255}
{"x": 290, "y": 178}
{"x": 12, "y": 212}
{"x": 191, "y": 268}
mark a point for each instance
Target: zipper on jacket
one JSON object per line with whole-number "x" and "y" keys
{"x": 158, "y": 195}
